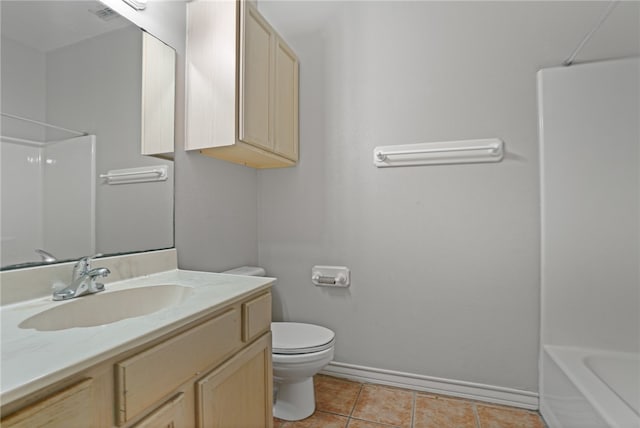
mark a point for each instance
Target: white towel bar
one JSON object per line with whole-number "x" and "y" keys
{"x": 449, "y": 152}
{"x": 136, "y": 175}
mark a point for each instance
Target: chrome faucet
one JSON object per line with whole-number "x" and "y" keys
{"x": 83, "y": 280}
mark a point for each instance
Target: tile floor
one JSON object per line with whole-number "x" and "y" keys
{"x": 341, "y": 403}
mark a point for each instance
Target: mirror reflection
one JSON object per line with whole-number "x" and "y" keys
{"x": 71, "y": 114}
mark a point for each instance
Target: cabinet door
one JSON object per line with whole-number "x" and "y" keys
{"x": 285, "y": 101}
{"x": 158, "y": 96}
{"x": 256, "y": 53}
{"x": 238, "y": 394}
{"x": 169, "y": 415}
{"x": 71, "y": 407}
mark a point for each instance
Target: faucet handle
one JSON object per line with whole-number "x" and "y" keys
{"x": 94, "y": 286}
{"x": 83, "y": 265}
{"x": 101, "y": 271}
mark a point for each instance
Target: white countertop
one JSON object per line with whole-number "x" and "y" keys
{"x": 33, "y": 359}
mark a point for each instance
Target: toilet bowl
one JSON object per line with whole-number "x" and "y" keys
{"x": 299, "y": 351}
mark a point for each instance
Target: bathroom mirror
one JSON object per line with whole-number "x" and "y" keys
{"x": 71, "y": 112}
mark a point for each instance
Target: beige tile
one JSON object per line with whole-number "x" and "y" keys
{"x": 357, "y": 423}
{"x": 278, "y": 423}
{"x": 320, "y": 420}
{"x": 507, "y": 417}
{"x": 336, "y": 395}
{"x": 384, "y": 405}
{"x": 433, "y": 411}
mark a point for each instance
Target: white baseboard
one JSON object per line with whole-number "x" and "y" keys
{"x": 455, "y": 388}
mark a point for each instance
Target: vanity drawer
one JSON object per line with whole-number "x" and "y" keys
{"x": 146, "y": 377}
{"x": 71, "y": 407}
{"x": 256, "y": 317}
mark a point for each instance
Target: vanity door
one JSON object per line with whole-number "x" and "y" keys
{"x": 238, "y": 393}
{"x": 170, "y": 415}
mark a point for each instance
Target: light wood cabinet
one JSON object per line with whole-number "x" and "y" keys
{"x": 285, "y": 101}
{"x": 235, "y": 395}
{"x": 242, "y": 86}
{"x": 214, "y": 372}
{"x": 170, "y": 415}
{"x": 70, "y": 407}
{"x": 158, "y": 96}
{"x": 148, "y": 376}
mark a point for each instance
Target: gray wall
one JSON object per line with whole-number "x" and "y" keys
{"x": 23, "y": 89}
{"x": 445, "y": 259}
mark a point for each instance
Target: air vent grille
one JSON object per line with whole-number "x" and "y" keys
{"x": 105, "y": 13}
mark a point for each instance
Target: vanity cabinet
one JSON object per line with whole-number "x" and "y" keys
{"x": 242, "y": 86}
{"x": 214, "y": 372}
{"x": 70, "y": 407}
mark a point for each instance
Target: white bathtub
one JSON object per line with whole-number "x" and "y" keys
{"x": 587, "y": 388}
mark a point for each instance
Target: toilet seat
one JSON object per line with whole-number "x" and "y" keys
{"x": 291, "y": 338}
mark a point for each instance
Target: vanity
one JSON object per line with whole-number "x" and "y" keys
{"x": 201, "y": 356}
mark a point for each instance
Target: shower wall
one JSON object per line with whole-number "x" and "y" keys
{"x": 43, "y": 210}
{"x": 21, "y": 228}
{"x": 590, "y": 140}
{"x": 69, "y": 197}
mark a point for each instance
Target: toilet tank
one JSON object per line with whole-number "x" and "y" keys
{"x": 247, "y": 270}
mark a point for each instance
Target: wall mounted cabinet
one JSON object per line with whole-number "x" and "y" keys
{"x": 242, "y": 86}
{"x": 158, "y": 96}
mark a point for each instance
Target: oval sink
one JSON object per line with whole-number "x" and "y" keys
{"x": 104, "y": 308}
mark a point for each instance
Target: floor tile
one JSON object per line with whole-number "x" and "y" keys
{"x": 357, "y": 423}
{"x": 336, "y": 395}
{"x": 506, "y": 417}
{"x": 278, "y": 423}
{"x": 435, "y": 412}
{"x": 384, "y": 405}
{"x": 320, "y": 420}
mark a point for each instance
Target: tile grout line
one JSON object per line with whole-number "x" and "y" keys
{"x": 349, "y": 417}
{"x": 413, "y": 409}
{"x": 353, "y": 408}
{"x": 476, "y": 415}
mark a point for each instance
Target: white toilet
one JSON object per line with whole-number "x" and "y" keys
{"x": 299, "y": 351}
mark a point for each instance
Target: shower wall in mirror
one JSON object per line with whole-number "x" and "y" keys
{"x": 74, "y": 65}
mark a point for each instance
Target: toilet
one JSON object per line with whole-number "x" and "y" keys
{"x": 299, "y": 351}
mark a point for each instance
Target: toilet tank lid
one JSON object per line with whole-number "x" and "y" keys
{"x": 247, "y": 270}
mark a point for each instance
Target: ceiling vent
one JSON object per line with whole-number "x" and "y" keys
{"x": 105, "y": 13}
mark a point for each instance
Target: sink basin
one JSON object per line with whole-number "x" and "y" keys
{"x": 107, "y": 307}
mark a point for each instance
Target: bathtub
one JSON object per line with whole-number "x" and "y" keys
{"x": 587, "y": 388}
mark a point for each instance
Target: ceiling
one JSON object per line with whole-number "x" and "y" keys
{"x": 49, "y": 25}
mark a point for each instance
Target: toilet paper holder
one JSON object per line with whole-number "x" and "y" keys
{"x": 330, "y": 276}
